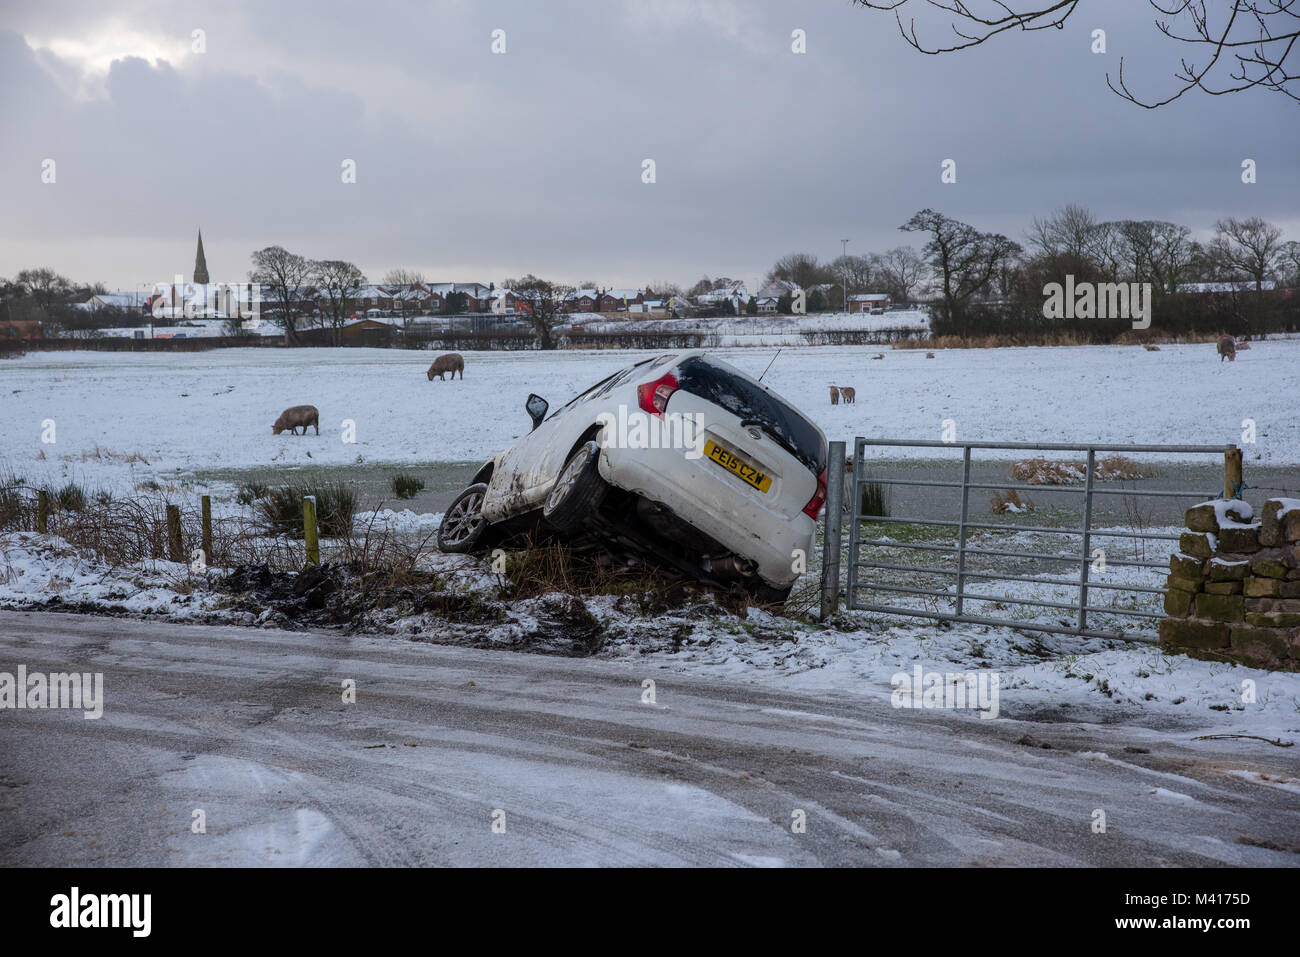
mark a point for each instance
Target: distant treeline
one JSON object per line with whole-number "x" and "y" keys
{"x": 1238, "y": 313}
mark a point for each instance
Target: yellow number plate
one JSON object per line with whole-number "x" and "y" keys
{"x": 737, "y": 466}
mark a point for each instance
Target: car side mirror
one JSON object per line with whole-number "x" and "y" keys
{"x": 536, "y": 407}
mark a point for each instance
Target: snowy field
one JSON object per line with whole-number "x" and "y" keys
{"x": 765, "y": 329}
{"x": 169, "y": 412}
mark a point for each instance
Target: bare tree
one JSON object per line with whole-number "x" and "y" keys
{"x": 1158, "y": 252}
{"x": 45, "y": 288}
{"x": 901, "y": 270}
{"x": 1291, "y": 262}
{"x": 1070, "y": 231}
{"x": 1109, "y": 251}
{"x": 403, "y": 277}
{"x": 543, "y": 305}
{"x": 1242, "y": 43}
{"x": 800, "y": 268}
{"x": 337, "y": 283}
{"x": 1250, "y": 246}
{"x": 857, "y": 272}
{"x": 284, "y": 274}
{"x": 704, "y": 285}
{"x": 964, "y": 259}
{"x": 663, "y": 289}
{"x": 398, "y": 281}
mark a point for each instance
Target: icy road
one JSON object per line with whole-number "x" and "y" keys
{"x": 461, "y": 757}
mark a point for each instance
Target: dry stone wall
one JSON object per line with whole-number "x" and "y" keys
{"x": 1234, "y": 585}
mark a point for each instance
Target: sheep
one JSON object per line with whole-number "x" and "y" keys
{"x": 448, "y": 362}
{"x": 1227, "y": 348}
{"x": 295, "y": 416}
{"x": 850, "y": 394}
{"x": 835, "y": 395}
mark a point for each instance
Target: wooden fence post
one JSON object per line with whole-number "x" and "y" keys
{"x": 206, "y": 542}
{"x": 309, "y": 529}
{"x": 1232, "y": 479}
{"x": 42, "y": 511}
{"x": 174, "y": 550}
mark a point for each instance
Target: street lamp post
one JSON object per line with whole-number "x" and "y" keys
{"x": 844, "y": 274}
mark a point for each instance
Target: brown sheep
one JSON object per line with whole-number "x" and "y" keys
{"x": 1227, "y": 348}
{"x": 850, "y": 394}
{"x": 835, "y": 395}
{"x": 448, "y": 362}
{"x": 295, "y": 416}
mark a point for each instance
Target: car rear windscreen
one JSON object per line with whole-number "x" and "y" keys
{"x": 755, "y": 405}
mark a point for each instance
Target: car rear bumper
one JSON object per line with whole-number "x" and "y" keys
{"x": 706, "y": 497}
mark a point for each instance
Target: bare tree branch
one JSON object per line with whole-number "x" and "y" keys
{"x": 1243, "y": 44}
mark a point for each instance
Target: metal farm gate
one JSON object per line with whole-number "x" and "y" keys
{"x": 946, "y": 564}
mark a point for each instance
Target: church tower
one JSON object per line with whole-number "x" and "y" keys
{"x": 200, "y": 263}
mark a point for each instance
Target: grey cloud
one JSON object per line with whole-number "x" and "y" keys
{"x": 493, "y": 165}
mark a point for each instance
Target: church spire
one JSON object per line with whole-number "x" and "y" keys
{"x": 200, "y": 263}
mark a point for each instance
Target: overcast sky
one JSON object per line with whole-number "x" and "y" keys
{"x": 475, "y": 166}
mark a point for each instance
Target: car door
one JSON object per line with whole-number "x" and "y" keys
{"x": 577, "y": 417}
{"x": 528, "y": 468}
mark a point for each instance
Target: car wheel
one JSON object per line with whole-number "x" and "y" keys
{"x": 463, "y": 523}
{"x": 578, "y": 491}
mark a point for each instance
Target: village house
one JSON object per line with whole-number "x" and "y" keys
{"x": 582, "y": 300}
{"x": 867, "y": 301}
{"x": 173, "y": 301}
{"x": 133, "y": 303}
{"x": 777, "y": 288}
{"x": 619, "y": 300}
{"x": 734, "y": 293}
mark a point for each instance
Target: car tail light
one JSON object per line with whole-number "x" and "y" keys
{"x": 653, "y": 396}
{"x": 814, "y": 506}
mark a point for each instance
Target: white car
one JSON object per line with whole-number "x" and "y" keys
{"x": 682, "y": 457}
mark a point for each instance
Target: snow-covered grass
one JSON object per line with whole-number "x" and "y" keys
{"x": 36, "y": 570}
{"x": 764, "y": 326}
{"x": 112, "y": 413}
{"x": 1042, "y": 677}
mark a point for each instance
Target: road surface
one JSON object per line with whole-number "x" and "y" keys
{"x": 572, "y": 766}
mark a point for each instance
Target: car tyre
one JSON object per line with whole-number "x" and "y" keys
{"x": 578, "y": 490}
{"x": 463, "y": 524}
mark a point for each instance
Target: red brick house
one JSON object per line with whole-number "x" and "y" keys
{"x": 618, "y": 300}
{"x": 582, "y": 300}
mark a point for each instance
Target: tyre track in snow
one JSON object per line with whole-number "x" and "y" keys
{"x": 248, "y": 724}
